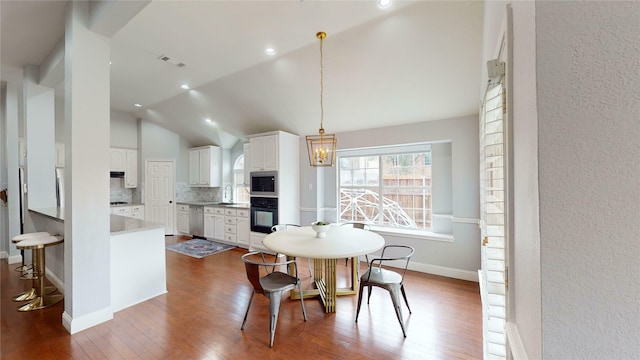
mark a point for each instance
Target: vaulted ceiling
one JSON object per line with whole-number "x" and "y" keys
{"x": 414, "y": 61}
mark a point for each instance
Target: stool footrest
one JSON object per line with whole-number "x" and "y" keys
{"x": 41, "y": 302}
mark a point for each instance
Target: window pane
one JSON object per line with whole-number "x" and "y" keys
{"x": 402, "y": 200}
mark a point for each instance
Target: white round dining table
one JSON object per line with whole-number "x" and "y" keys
{"x": 339, "y": 242}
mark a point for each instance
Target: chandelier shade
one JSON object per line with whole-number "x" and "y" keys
{"x": 321, "y": 147}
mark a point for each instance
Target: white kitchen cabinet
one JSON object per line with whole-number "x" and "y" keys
{"x": 205, "y": 166}
{"x": 256, "y": 240}
{"x": 125, "y": 160}
{"x": 230, "y": 225}
{"x": 137, "y": 212}
{"x": 118, "y": 159}
{"x": 131, "y": 168}
{"x": 183, "y": 218}
{"x": 59, "y": 154}
{"x": 133, "y": 211}
{"x": 280, "y": 151}
{"x": 264, "y": 153}
{"x": 247, "y": 163}
{"x": 242, "y": 228}
{"x": 209, "y": 223}
{"x": 219, "y": 233}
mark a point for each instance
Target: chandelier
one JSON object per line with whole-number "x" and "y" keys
{"x": 321, "y": 147}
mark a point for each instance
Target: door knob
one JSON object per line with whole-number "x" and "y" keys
{"x": 485, "y": 241}
{"x": 170, "y": 201}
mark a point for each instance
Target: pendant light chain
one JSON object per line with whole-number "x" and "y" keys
{"x": 321, "y": 146}
{"x": 321, "y": 37}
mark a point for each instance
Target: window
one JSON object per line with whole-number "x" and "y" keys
{"x": 242, "y": 189}
{"x": 386, "y": 186}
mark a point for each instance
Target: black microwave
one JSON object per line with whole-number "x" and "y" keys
{"x": 264, "y": 183}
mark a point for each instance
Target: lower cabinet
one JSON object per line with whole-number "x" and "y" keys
{"x": 134, "y": 211}
{"x": 256, "y": 240}
{"x": 230, "y": 225}
{"x": 243, "y": 228}
{"x": 209, "y": 223}
{"x": 183, "y": 219}
{"x": 214, "y": 223}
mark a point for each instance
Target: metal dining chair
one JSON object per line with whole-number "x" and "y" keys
{"x": 272, "y": 285}
{"x": 391, "y": 281}
{"x": 280, "y": 227}
{"x": 357, "y": 225}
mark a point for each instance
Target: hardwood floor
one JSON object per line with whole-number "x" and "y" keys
{"x": 201, "y": 315}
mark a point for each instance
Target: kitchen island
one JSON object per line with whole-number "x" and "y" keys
{"x": 137, "y": 256}
{"x": 138, "y": 261}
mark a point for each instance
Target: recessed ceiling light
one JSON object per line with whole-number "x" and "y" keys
{"x": 383, "y": 4}
{"x": 137, "y": 105}
{"x": 184, "y": 86}
{"x": 270, "y": 51}
{"x": 208, "y": 120}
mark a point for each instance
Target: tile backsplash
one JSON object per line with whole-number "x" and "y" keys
{"x": 197, "y": 194}
{"x": 183, "y": 192}
{"x": 120, "y": 193}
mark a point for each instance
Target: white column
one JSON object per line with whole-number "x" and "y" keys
{"x": 87, "y": 233}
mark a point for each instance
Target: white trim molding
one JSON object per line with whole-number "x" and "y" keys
{"x": 14, "y": 259}
{"x": 466, "y": 220}
{"x": 515, "y": 343}
{"x": 84, "y": 322}
{"x": 437, "y": 270}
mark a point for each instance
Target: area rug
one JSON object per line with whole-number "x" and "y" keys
{"x": 198, "y": 248}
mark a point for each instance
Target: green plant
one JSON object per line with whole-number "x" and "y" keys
{"x": 322, "y": 223}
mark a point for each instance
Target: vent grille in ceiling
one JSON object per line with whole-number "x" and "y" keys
{"x": 171, "y": 61}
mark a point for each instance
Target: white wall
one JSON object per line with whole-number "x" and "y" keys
{"x": 588, "y": 79}
{"x": 124, "y": 130}
{"x": 576, "y": 139}
{"x": 463, "y": 254}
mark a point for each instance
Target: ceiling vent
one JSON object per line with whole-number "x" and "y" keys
{"x": 171, "y": 61}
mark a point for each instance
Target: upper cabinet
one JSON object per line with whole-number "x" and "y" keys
{"x": 247, "y": 163}
{"x": 125, "y": 160}
{"x": 131, "y": 169}
{"x": 264, "y": 153}
{"x": 118, "y": 159}
{"x": 205, "y": 166}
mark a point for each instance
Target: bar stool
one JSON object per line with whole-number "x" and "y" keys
{"x": 16, "y": 239}
{"x": 38, "y": 244}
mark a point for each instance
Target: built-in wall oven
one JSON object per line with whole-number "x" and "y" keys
{"x": 264, "y": 214}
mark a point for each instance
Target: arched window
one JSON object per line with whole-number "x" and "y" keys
{"x": 240, "y": 184}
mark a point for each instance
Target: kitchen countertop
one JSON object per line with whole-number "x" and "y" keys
{"x": 132, "y": 204}
{"x": 119, "y": 224}
{"x": 123, "y": 225}
{"x": 214, "y": 203}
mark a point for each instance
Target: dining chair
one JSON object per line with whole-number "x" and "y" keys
{"x": 357, "y": 225}
{"x": 378, "y": 275}
{"x": 280, "y": 227}
{"x": 272, "y": 285}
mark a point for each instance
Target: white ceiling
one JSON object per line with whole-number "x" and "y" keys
{"x": 416, "y": 61}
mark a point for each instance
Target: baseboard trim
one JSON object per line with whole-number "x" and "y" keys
{"x": 84, "y": 322}
{"x": 3, "y": 255}
{"x": 439, "y": 270}
{"x": 15, "y": 259}
{"x": 514, "y": 342}
{"x": 54, "y": 280}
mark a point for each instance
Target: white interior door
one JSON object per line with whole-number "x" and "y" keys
{"x": 160, "y": 192}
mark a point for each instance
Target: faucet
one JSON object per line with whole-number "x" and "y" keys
{"x": 228, "y": 190}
